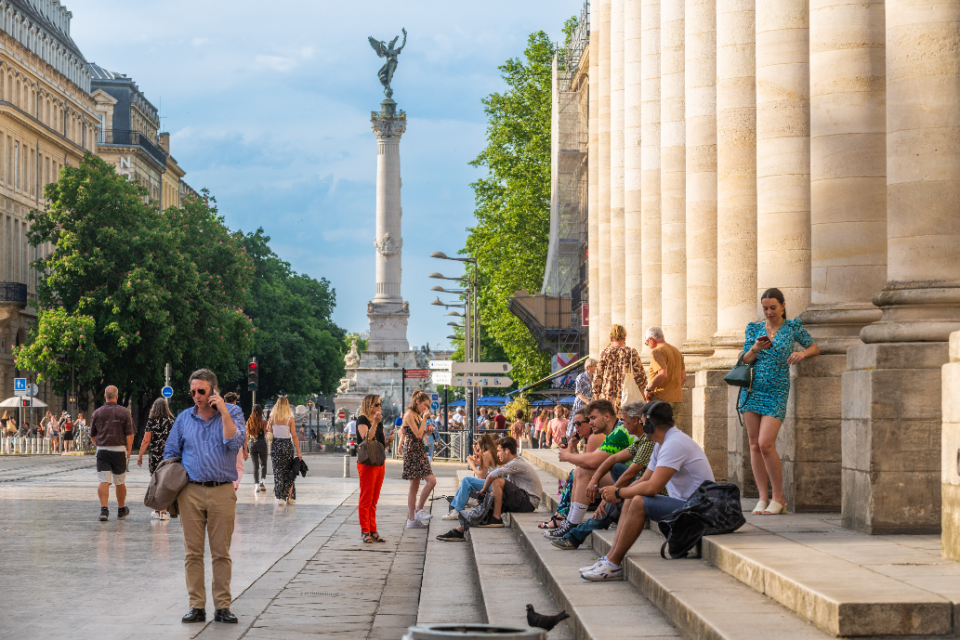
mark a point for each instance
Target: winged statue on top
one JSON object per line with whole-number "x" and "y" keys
{"x": 387, "y": 51}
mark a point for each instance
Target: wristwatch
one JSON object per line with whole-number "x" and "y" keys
{"x": 616, "y": 492}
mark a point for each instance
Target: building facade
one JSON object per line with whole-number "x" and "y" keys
{"x": 47, "y": 121}
{"x": 815, "y": 148}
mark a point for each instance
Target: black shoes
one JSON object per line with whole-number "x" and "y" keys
{"x": 197, "y": 615}
{"x": 224, "y": 615}
{"x": 559, "y": 532}
{"x": 453, "y": 535}
{"x": 104, "y": 514}
{"x": 122, "y": 513}
{"x": 491, "y": 523}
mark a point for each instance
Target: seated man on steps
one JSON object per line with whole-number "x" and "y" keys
{"x": 515, "y": 485}
{"x": 677, "y": 463}
{"x": 637, "y": 454}
{"x": 603, "y": 419}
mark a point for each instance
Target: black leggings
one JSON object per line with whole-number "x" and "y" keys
{"x": 258, "y": 451}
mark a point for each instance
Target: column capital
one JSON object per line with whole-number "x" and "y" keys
{"x": 388, "y": 124}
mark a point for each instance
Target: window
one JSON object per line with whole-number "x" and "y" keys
{"x": 16, "y": 165}
{"x": 103, "y": 127}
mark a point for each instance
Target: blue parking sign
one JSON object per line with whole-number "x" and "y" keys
{"x": 19, "y": 386}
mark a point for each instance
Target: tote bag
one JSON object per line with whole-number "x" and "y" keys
{"x": 631, "y": 392}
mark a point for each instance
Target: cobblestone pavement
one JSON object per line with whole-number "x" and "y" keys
{"x": 297, "y": 570}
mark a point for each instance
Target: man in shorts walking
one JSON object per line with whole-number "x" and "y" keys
{"x": 111, "y": 430}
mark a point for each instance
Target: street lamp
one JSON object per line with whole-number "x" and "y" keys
{"x": 442, "y": 290}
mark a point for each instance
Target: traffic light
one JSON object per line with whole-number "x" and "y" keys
{"x": 252, "y": 370}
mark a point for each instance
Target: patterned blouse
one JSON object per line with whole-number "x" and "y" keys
{"x": 612, "y": 370}
{"x": 771, "y": 373}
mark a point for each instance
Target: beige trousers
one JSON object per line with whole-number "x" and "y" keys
{"x": 208, "y": 512}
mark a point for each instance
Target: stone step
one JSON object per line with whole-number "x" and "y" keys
{"x": 609, "y": 611}
{"x": 702, "y": 601}
{"x": 450, "y": 590}
{"x": 506, "y": 582}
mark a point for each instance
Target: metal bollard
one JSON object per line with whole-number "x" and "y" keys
{"x": 346, "y": 466}
{"x": 4, "y": 445}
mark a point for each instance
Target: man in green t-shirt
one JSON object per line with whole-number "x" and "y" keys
{"x": 603, "y": 420}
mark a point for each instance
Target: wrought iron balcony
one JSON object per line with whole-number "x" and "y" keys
{"x": 15, "y": 292}
{"x": 120, "y": 137}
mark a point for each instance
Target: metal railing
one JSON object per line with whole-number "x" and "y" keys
{"x": 135, "y": 139}
{"x": 13, "y": 292}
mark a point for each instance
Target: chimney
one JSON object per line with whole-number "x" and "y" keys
{"x": 165, "y": 142}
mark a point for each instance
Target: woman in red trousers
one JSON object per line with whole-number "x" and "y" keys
{"x": 371, "y": 478}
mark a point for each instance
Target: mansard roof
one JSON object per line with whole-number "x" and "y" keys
{"x": 44, "y": 14}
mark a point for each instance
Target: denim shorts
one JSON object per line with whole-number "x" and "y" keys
{"x": 658, "y": 507}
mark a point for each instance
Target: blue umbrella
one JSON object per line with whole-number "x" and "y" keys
{"x": 492, "y": 401}
{"x": 457, "y": 403}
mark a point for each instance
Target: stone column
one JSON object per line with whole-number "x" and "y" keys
{"x": 593, "y": 193}
{"x": 709, "y": 395}
{"x": 950, "y": 466}
{"x": 892, "y": 411}
{"x": 848, "y": 210}
{"x": 783, "y": 151}
{"x": 650, "y": 159}
{"x": 736, "y": 216}
{"x": 673, "y": 172}
{"x": 603, "y": 22}
{"x": 388, "y": 313}
{"x": 618, "y": 312}
{"x": 632, "y": 124}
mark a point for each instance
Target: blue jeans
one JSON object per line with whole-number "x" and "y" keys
{"x": 463, "y": 492}
{"x": 430, "y": 446}
{"x": 658, "y": 507}
{"x": 580, "y": 532}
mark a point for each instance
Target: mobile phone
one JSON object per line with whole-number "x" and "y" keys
{"x": 563, "y": 440}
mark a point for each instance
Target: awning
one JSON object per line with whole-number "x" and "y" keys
{"x": 561, "y": 372}
{"x": 17, "y": 401}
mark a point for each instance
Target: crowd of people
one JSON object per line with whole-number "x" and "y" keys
{"x": 62, "y": 432}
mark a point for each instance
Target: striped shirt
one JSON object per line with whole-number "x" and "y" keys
{"x": 204, "y": 452}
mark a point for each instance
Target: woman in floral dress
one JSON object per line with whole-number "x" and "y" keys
{"x": 416, "y": 465}
{"x": 159, "y": 423}
{"x": 614, "y": 366}
{"x": 769, "y": 347}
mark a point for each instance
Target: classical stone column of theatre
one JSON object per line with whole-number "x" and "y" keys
{"x": 618, "y": 312}
{"x": 593, "y": 194}
{"x": 848, "y": 211}
{"x": 673, "y": 172}
{"x": 736, "y": 214}
{"x": 633, "y": 258}
{"x": 603, "y": 22}
{"x": 892, "y": 419}
{"x": 950, "y": 540}
{"x": 709, "y": 397}
{"x": 650, "y": 161}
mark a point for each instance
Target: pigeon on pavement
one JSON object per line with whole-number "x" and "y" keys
{"x": 535, "y": 619}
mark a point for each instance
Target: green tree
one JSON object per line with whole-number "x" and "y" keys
{"x": 298, "y": 346}
{"x": 361, "y": 342}
{"x": 126, "y": 288}
{"x": 510, "y": 238}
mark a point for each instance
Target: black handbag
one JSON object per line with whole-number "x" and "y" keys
{"x": 741, "y": 375}
{"x": 713, "y": 509}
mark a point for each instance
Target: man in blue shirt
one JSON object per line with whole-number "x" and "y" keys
{"x": 207, "y": 438}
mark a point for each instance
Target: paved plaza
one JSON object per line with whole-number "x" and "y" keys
{"x": 297, "y": 570}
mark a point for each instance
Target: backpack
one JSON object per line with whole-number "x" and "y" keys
{"x": 713, "y": 509}
{"x": 479, "y": 513}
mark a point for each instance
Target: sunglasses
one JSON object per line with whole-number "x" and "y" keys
{"x": 578, "y": 423}
{"x": 378, "y": 404}
{"x": 198, "y": 392}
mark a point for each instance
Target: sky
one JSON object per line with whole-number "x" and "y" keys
{"x": 268, "y": 106}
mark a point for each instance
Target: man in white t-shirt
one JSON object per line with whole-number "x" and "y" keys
{"x": 677, "y": 463}
{"x": 456, "y": 421}
{"x": 351, "y": 428}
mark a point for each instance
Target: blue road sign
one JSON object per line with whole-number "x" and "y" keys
{"x": 435, "y": 406}
{"x": 19, "y": 386}
{"x": 167, "y": 392}
{"x": 434, "y": 397}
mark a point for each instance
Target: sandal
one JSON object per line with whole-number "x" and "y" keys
{"x": 367, "y": 538}
{"x": 775, "y": 509}
{"x": 761, "y": 505}
{"x": 376, "y": 537}
{"x": 555, "y": 522}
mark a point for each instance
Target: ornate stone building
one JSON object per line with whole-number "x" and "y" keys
{"x": 47, "y": 121}
{"x": 815, "y": 147}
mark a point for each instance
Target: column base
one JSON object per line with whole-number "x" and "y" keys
{"x": 739, "y": 471}
{"x": 388, "y": 326}
{"x": 709, "y": 419}
{"x": 950, "y": 453}
{"x": 891, "y": 437}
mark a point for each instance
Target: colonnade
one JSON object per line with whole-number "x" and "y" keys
{"x": 809, "y": 145}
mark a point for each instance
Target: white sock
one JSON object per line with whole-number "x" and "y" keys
{"x": 577, "y": 511}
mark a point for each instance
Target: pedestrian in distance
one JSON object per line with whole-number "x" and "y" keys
{"x": 285, "y": 447}
{"x": 769, "y": 347}
{"x": 371, "y": 476}
{"x": 67, "y": 433}
{"x": 159, "y": 424}
{"x": 112, "y": 431}
{"x": 207, "y": 437}
{"x": 616, "y": 363}
{"x": 430, "y": 422}
{"x": 258, "y": 448}
{"x": 416, "y": 466}
{"x": 54, "y": 435}
{"x": 583, "y": 388}
{"x": 231, "y": 398}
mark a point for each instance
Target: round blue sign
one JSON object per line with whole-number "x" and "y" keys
{"x": 435, "y": 406}
{"x": 167, "y": 392}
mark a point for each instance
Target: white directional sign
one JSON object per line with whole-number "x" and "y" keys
{"x": 440, "y": 365}
{"x": 20, "y": 386}
{"x": 441, "y": 377}
{"x": 473, "y": 368}
{"x": 480, "y": 381}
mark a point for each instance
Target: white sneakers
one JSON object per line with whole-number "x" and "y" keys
{"x": 256, "y": 490}
{"x": 156, "y": 515}
{"x": 453, "y": 515}
{"x": 415, "y": 524}
{"x": 279, "y": 501}
{"x": 603, "y": 571}
{"x": 422, "y": 516}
